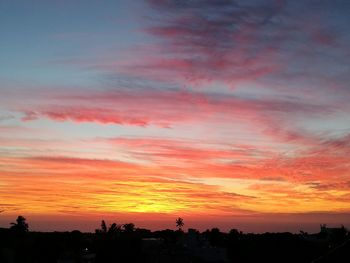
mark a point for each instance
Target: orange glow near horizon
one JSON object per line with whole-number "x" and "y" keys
{"x": 96, "y": 187}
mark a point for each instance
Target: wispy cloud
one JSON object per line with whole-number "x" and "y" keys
{"x": 216, "y": 107}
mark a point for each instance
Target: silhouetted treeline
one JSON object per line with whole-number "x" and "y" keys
{"x": 127, "y": 243}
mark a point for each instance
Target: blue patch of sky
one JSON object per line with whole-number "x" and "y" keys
{"x": 37, "y": 35}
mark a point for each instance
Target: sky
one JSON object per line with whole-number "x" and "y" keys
{"x": 230, "y": 114}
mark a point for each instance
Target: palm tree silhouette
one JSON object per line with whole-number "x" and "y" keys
{"x": 179, "y": 223}
{"x": 112, "y": 229}
{"x": 103, "y": 227}
{"x": 129, "y": 228}
{"x": 21, "y": 225}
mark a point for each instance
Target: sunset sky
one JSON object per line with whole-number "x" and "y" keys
{"x": 233, "y": 114}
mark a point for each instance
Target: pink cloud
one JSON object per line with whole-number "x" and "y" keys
{"x": 166, "y": 108}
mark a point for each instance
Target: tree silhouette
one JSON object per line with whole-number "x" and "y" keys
{"x": 129, "y": 228}
{"x": 112, "y": 229}
{"x": 103, "y": 227}
{"x": 179, "y": 223}
{"x": 21, "y": 225}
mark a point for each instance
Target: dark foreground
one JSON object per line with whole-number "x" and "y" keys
{"x": 126, "y": 243}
